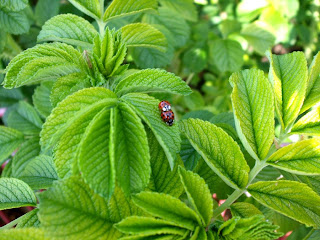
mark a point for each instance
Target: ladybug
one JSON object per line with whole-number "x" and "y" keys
{"x": 168, "y": 117}
{"x": 164, "y": 106}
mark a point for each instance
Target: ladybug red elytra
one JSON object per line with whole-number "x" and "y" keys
{"x": 164, "y": 106}
{"x": 168, "y": 117}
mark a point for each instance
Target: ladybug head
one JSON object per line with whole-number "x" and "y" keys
{"x": 170, "y": 122}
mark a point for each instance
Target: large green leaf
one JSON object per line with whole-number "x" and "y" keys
{"x": 15, "y": 193}
{"x": 227, "y": 162}
{"x": 46, "y": 9}
{"x": 309, "y": 124}
{"x": 91, "y": 8}
{"x": 293, "y": 199}
{"x": 23, "y": 234}
{"x": 14, "y": 22}
{"x": 41, "y": 98}
{"x": 226, "y": 54}
{"x": 70, "y": 29}
{"x": 13, "y": 5}
{"x": 185, "y": 8}
{"x": 253, "y": 106}
{"x": 120, "y": 8}
{"x": 10, "y": 139}
{"x": 288, "y": 73}
{"x": 198, "y": 194}
{"x": 70, "y": 209}
{"x": 143, "y": 35}
{"x": 152, "y": 80}
{"x": 129, "y": 149}
{"x": 168, "y": 136}
{"x": 167, "y": 207}
{"x": 95, "y": 164}
{"x": 300, "y": 158}
{"x": 43, "y": 62}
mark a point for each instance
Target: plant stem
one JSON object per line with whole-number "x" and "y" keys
{"x": 12, "y": 223}
{"x": 309, "y": 234}
{"x": 234, "y": 196}
{"x": 189, "y": 78}
{"x": 100, "y": 21}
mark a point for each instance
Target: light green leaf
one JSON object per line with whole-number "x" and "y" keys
{"x": 226, "y": 54}
{"x": 13, "y": 5}
{"x": 309, "y": 124}
{"x": 185, "y": 8}
{"x": 14, "y": 193}
{"x": 29, "y": 219}
{"x": 95, "y": 164}
{"x": 248, "y": 10}
{"x": 23, "y": 234}
{"x": 168, "y": 136}
{"x": 91, "y": 8}
{"x": 293, "y": 199}
{"x": 74, "y": 105}
{"x": 167, "y": 207}
{"x": 10, "y": 139}
{"x": 259, "y": 38}
{"x": 39, "y": 173}
{"x": 70, "y": 29}
{"x": 9, "y": 97}
{"x": 288, "y": 73}
{"x": 227, "y": 162}
{"x": 119, "y": 8}
{"x": 152, "y": 80}
{"x": 25, "y": 119}
{"x": 253, "y": 106}
{"x": 70, "y": 209}
{"x": 143, "y": 35}
{"x": 244, "y": 210}
{"x": 41, "y": 98}
{"x": 46, "y": 9}
{"x": 198, "y": 194}
{"x": 14, "y": 22}
{"x": 129, "y": 149}
{"x": 45, "y": 62}
{"x": 302, "y": 157}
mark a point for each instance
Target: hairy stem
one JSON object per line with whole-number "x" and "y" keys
{"x": 100, "y": 21}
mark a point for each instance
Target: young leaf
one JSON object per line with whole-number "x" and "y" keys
{"x": 185, "y": 8}
{"x": 91, "y": 8}
{"x": 95, "y": 164}
{"x": 10, "y": 139}
{"x": 198, "y": 195}
{"x": 147, "y": 108}
{"x": 23, "y": 234}
{"x": 227, "y": 162}
{"x": 143, "y": 35}
{"x": 41, "y": 99}
{"x": 70, "y": 209}
{"x": 129, "y": 149}
{"x": 46, "y": 9}
{"x": 152, "y": 80}
{"x": 70, "y": 29}
{"x": 293, "y": 199}
{"x": 253, "y": 106}
{"x": 226, "y": 54}
{"x": 302, "y": 157}
{"x": 244, "y": 210}
{"x": 119, "y": 8}
{"x": 309, "y": 124}
{"x": 167, "y": 207}
{"x": 13, "y": 5}
{"x": 15, "y": 193}
{"x": 14, "y": 22}
{"x": 288, "y": 73}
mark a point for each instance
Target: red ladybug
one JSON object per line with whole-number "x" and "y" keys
{"x": 168, "y": 117}
{"x": 164, "y": 106}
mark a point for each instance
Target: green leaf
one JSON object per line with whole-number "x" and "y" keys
{"x": 167, "y": 207}
{"x": 39, "y": 173}
{"x": 253, "y": 106}
{"x": 9, "y": 97}
{"x": 10, "y": 139}
{"x": 95, "y": 164}
{"x": 189, "y": 155}
{"x": 70, "y": 209}
{"x": 70, "y": 29}
{"x": 288, "y": 74}
{"x": 91, "y": 8}
{"x": 44, "y": 62}
{"x": 226, "y": 54}
{"x": 13, "y": 5}
{"x": 119, "y": 8}
{"x": 168, "y": 136}
{"x": 25, "y": 119}
{"x": 293, "y": 199}
{"x": 129, "y": 149}
{"x": 185, "y": 8}
{"x": 14, "y": 22}
{"x": 195, "y": 59}
{"x": 143, "y": 35}
{"x": 309, "y": 124}
{"x": 41, "y": 99}
{"x": 152, "y": 80}
{"x": 75, "y": 105}
{"x": 7, "y": 171}
{"x": 302, "y": 157}
{"x": 29, "y": 219}
{"x": 46, "y": 9}
{"x": 23, "y": 234}
{"x": 244, "y": 210}
{"x": 227, "y": 162}
{"x": 14, "y": 193}
{"x": 198, "y": 195}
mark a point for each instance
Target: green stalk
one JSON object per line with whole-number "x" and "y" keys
{"x": 100, "y": 21}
